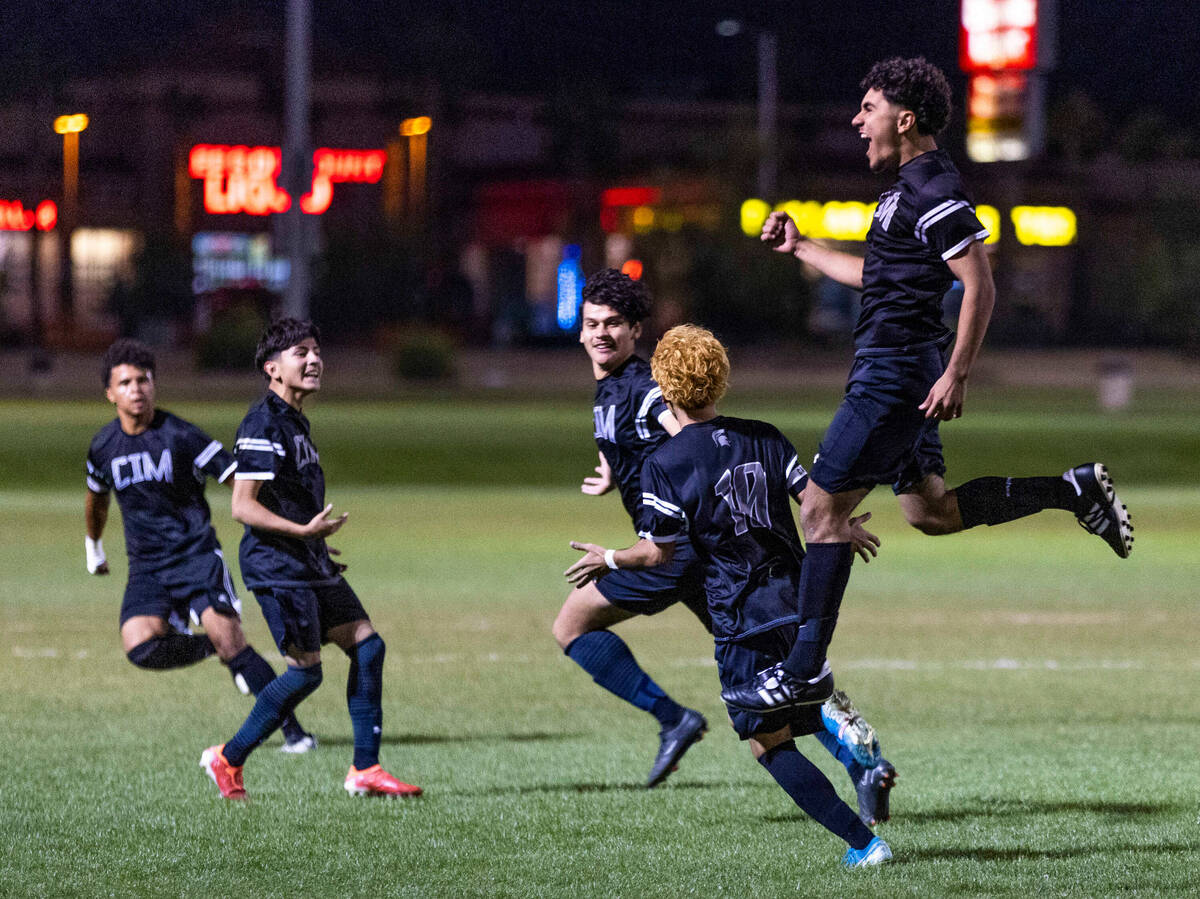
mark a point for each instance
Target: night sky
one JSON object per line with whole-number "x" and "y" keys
{"x": 1128, "y": 56}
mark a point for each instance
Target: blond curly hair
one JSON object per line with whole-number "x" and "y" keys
{"x": 691, "y": 367}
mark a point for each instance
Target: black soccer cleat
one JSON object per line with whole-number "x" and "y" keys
{"x": 774, "y": 688}
{"x": 1098, "y": 510}
{"x": 874, "y": 786}
{"x": 673, "y": 743}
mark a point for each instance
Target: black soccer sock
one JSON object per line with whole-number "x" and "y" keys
{"x": 274, "y": 703}
{"x": 823, "y": 580}
{"x": 812, "y": 791}
{"x": 997, "y": 500}
{"x": 364, "y": 696}
{"x": 604, "y": 656}
{"x": 256, "y": 672}
{"x": 171, "y": 651}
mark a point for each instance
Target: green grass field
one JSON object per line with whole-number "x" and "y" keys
{"x": 1038, "y": 695}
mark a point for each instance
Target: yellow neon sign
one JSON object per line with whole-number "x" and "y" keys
{"x": 1044, "y": 226}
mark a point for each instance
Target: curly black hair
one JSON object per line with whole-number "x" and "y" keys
{"x": 126, "y": 351}
{"x": 609, "y": 287}
{"x": 915, "y": 84}
{"x": 281, "y": 334}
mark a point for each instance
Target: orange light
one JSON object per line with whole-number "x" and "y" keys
{"x": 70, "y": 124}
{"x": 630, "y": 196}
{"x": 414, "y": 127}
{"x": 46, "y": 215}
{"x": 14, "y": 216}
{"x": 633, "y": 268}
{"x": 996, "y": 35}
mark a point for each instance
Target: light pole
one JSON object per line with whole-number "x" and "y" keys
{"x": 417, "y": 131}
{"x": 767, "y": 47}
{"x": 69, "y": 127}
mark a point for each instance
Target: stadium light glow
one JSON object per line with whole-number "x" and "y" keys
{"x": 15, "y": 217}
{"x": 570, "y": 287}
{"x": 70, "y": 124}
{"x": 416, "y": 126}
{"x": 1044, "y": 226}
{"x": 633, "y": 268}
{"x": 989, "y": 217}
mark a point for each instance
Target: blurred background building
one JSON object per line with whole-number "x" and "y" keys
{"x": 476, "y": 210}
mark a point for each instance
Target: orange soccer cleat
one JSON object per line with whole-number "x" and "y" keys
{"x": 227, "y": 777}
{"x": 374, "y": 781}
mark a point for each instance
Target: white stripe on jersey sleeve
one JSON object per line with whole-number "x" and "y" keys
{"x": 661, "y": 505}
{"x": 253, "y": 444}
{"x": 936, "y": 213}
{"x": 95, "y": 486}
{"x": 639, "y": 422}
{"x": 227, "y": 472}
{"x": 254, "y": 476}
{"x": 965, "y": 242}
{"x": 654, "y": 538}
{"x": 209, "y": 451}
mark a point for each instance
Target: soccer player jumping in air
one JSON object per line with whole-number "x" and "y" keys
{"x": 631, "y": 419}
{"x": 279, "y": 495}
{"x": 909, "y": 372}
{"x": 724, "y": 485}
{"x": 157, "y": 465}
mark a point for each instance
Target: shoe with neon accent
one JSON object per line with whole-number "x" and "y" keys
{"x": 876, "y": 853}
{"x": 874, "y": 787}
{"x": 1098, "y": 509}
{"x": 673, "y": 743}
{"x": 227, "y": 777}
{"x": 300, "y": 745}
{"x": 842, "y": 719}
{"x": 374, "y": 781}
{"x": 774, "y": 688}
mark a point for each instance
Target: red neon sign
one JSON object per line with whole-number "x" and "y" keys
{"x": 243, "y": 179}
{"x": 15, "y": 217}
{"x": 997, "y": 34}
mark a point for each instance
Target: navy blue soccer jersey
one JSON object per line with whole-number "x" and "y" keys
{"x": 158, "y": 477}
{"x": 273, "y": 446}
{"x": 923, "y": 220}
{"x": 627, "y": 412}
{"x": 727, "y": 485}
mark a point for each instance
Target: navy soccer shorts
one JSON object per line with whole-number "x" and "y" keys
{"x": 878, "y": 435}
{"x": 187, "y": 588}
{"x": 738, "y": 662}
{"x": 647, "y": 591}
{"x": 300, "y": 618}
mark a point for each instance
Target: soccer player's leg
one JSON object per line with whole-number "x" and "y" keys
{"x": 582, "y": 631}
{"x": 853, "y": 742}
{"x": 146, "y": 635}
{"x": 771, "y": 736}
{"x": 347, "y": 625}
{"x": 293, "y": 618}
{"x": 214, "y": 604}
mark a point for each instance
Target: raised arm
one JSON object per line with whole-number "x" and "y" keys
{"x": 946, "y": 397}
{"x": 249, "y": 511}
{"x": 784, "y": 237}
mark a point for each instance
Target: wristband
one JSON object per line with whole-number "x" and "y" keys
{"x": 94, "y": 550}
{"x": 609, "y": 560}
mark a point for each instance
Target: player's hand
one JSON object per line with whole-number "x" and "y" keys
{"x": 340, "y": 566}
{"x": 945, "y": 399}
{"x": 603, "y": 481}
{"x": 781, "y": 233}
{"x": 322, "y": 525}
{"x": 96, "y": 560}
{"x": 863, "y": 541}
{"x": 591, "y": 567}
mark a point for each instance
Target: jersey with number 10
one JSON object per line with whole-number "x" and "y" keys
{"x": 727, "y": 484}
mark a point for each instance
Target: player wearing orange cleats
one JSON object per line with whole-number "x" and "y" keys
{"x": 227, "y": 777}
{"x": 374, "y": 781}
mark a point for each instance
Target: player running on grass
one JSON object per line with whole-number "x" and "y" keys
{"x": 279, "y": 495}
{"x": 905, "y": 379}
{"x": 157, "y": 465}
{"x": 724, "y": 484}
{"x": 631, "y": 420}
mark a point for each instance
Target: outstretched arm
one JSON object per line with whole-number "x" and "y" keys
{"x": 248, "y": 510}
{"x": 945, "y": 398}
{"x": 595, "y": 562}
{"x": 95, "y": 516}
{"x": 784, "y": 237}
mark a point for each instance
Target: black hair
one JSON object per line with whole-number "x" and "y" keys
{"x": 915, "y": 84}
{"x": 609, "y": 287}
{"x": 126, "y": 351}
{"x": 281, "y": 334}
